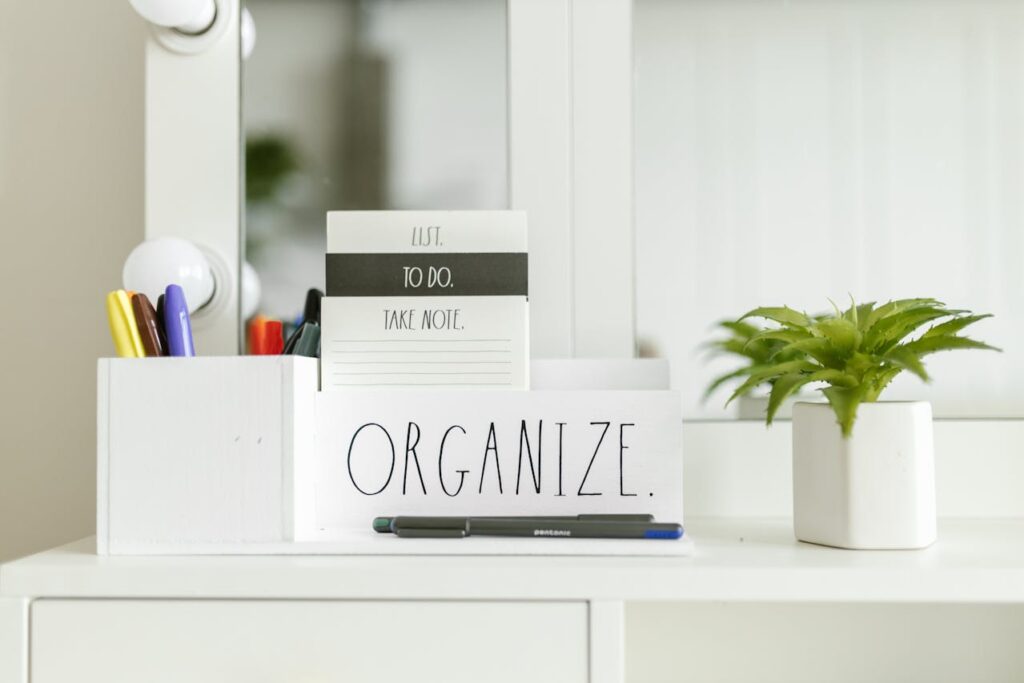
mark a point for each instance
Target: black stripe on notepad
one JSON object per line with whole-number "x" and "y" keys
{"x": 450, "y": 274}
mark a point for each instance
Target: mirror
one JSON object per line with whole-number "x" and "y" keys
{"x": 366, "y": 104}
{"x": 786, "y": 152}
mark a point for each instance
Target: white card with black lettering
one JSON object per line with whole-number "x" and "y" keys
{"x": 425, "y": 299}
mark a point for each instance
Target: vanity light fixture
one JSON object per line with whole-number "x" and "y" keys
{"x": 157, "y": 262}
{"x": 248, "y": 33}
{"x": 188, "y": 26}
{"x": 191, "y": 17}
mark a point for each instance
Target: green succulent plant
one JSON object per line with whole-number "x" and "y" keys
{"x": 855, "y": 353}
{"x": 739, "y": 341}
{"x": 268, "y": 161}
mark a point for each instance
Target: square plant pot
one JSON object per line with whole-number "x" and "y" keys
{"x": 872, "y": 490}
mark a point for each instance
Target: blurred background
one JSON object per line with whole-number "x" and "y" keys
{"x": 786, "y": 153}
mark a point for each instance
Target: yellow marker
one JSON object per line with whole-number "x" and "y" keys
{"x": 122, "y": 325}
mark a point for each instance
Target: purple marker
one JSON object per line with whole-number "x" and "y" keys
{"x": 177, "y": 325}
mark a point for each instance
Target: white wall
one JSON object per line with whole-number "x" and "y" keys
{"x": 791, "y": 151}
{"x": 71, "y": 104}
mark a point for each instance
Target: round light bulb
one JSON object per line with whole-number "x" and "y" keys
{"x": 248, "y": 31}
{"x": 190, "y": 16}
{"x": 162, "y": 261}
{"x": 251, "y": 291}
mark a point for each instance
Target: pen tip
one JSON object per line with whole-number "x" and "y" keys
{"x": 382, "y": 525}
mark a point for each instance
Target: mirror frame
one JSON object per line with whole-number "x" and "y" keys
{"x": 570, "y": 118}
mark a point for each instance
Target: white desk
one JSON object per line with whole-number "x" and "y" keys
{"x": 67, "y": 614}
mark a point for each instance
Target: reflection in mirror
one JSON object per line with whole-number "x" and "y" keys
{"x": 791, "y": 151}
{"x": 366, "y": 104}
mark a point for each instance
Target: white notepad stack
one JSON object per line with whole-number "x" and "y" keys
{"x": 426, "y": 299}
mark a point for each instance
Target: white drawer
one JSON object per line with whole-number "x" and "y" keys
{"x": 202, "y": 641}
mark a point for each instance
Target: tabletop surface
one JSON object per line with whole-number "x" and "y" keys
{"x": 736, "y": 559}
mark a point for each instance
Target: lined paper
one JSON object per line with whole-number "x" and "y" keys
{"x": 421, "y": 362}
{"x": 425, "y": 299}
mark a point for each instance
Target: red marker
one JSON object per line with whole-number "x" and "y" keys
{"x": 273, "y": 338}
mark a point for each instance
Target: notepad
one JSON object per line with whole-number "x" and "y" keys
{"x": 425, "y": 299}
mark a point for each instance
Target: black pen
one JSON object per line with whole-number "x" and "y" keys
{"x": 382, "y": 525}
{"x": 583, "y": 526}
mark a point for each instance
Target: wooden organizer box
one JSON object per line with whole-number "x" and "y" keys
{"x": 244, "y": 455}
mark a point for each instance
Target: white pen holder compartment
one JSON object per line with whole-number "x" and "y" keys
{"x": 199, "y": 451}
{"x": 243, "y": 455}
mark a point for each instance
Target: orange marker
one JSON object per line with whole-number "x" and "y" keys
{"x": 255, "y": 334}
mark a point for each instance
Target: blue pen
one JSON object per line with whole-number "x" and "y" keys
{"x": 177, "y": 325}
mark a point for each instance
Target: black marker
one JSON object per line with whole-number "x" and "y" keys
{"x": 311, "y": 311}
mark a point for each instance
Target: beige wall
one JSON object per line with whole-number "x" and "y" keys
{"x": 71, "y": 107}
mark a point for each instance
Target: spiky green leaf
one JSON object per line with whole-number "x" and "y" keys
{"x": 732, "y": 345}
{"x": 761, "y": 374}
{"x": 841, "y": 333}
{"x": 785, "y": 336}
{"x": 722, "y": 379}
{"x": 740, "y": 329}
{"x": 897, "y": 306}
{"x": 818, "y": 348}
{"x": 953, "y": 326}
{"x": 927, "y": 345}
{"x": 786, "y": 385}
{"x": 784, "y": 315}
{"x": 907, "y": 360}
{"x": 844, "y": 402}
{"x": 876, "y": 380}
{"x": 896, "y": 327}
{"x": 782, "y": 388}
{"x": 863, "y": 314}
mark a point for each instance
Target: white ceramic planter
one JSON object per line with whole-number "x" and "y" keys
{"x": 873, "y": 490}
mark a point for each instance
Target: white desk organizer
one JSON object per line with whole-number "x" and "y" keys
{"x": 244, "y": 455}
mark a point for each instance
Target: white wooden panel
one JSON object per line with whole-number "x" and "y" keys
{"x": 102, "y": 457}
{"x": 607, "y": 641}
{"x": 199, "y": 449}
{"x": 791, "y": 151}
{"x": 242, "y": 641}
{"x": 602, "y": 193}
{"x": 743, "y": 469}
{"x": 193, "y": 162}
{"x": 540, "y": 163}
{"x": 299, "y": 433}
{"x": 14, "y": 640}
{"x": 744, "y": 643}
